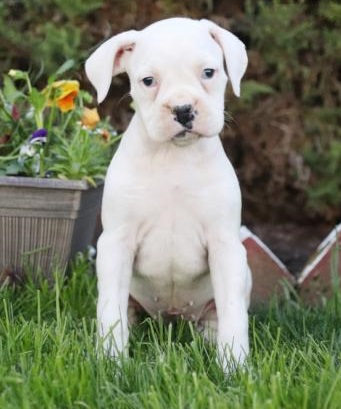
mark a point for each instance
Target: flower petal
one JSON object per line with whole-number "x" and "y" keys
{"x": 40, "y": 135}
{"x": 15, "y": 113}
{"x": 67, "y": 103}
{"x": 90, "y": 117}
{"x": 62, "y": 93}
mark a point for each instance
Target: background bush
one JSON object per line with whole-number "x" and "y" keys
{"x": 284, "y": 136}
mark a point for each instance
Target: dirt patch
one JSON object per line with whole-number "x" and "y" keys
{"x": 293, "y": 244}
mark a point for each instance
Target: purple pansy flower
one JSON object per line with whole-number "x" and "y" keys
{"x": 39, "y": 135}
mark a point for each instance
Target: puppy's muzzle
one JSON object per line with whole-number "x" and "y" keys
{"x": 184, "y": 114}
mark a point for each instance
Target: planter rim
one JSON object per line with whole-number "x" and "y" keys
{"x": 44, "y": 183}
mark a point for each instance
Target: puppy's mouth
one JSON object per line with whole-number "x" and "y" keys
{"x": 185, "y": 138}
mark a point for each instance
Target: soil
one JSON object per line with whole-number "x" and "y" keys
{"x": 292, "y": 243}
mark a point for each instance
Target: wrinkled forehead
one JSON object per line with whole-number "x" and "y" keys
{"x": 176, "y": 42}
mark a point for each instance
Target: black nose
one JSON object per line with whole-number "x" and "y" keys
{"x": 184, "y": 115}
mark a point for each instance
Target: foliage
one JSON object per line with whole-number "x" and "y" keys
{"x": 49, "y": 332}
{"x": 327, "y": 164}
{"x": 44, "y": 31}
{"x": 86, "y": 155}
{"x": 252, "y": 90}
{"x": 300, "y": 46}
{"x": 281, "y": 33}
{"x": 49, "y": 132}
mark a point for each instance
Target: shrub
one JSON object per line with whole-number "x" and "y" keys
{"x": 300, "y": 46}
{"x": 44, "y": 32}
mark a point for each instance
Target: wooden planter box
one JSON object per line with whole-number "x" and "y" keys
{"x": 44, "y": 222}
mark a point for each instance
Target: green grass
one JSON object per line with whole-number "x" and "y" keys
{"x": 48, "y": 359}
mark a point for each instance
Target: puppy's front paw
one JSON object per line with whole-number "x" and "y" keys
{"x": 107, "y": 347}
{"x": 113, "y": 342}
{"x": 231, "y": 357}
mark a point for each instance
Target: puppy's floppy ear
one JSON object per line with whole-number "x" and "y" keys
{"x": 108, "y": 60}
{"x": 234, "y": 53}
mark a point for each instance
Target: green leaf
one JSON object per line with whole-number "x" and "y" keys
{"x": 18, "y": 74}
{"x": 86, "y": 97}
{"x": 10, "y": 91}
{"x": 331, "y": 11}
{"x": 68, "y": 65}
{"x": 252, "y": 89}
{"x": 37, "y": 99}
{"x": 13, "y": 168}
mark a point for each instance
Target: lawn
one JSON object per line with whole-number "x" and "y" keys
{"x": 48, "y": 359}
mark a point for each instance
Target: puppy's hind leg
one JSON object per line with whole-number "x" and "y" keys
{"x": 134, "y": 310}
{"x": 207, "y": 325}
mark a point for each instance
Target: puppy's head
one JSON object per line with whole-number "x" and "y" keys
{"x": 177, "y": 76}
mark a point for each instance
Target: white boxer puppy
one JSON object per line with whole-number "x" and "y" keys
{"x": 172, "y": 204}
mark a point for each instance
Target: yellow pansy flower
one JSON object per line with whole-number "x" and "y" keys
{"x": 90, "y": 117}
{"x": 63, "y": 94}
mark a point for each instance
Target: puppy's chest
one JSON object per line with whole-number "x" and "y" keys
{"x": 171, "y": 238}
{"x": 171, "y": 269}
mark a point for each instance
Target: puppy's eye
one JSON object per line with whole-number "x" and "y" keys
{"x": 207, "y": 73}
{"x": 149, "y": 81}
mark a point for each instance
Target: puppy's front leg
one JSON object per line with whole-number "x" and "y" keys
{"x": 231, "y": 282}
{"x": 114, "y": 270}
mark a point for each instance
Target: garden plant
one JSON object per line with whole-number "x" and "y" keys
{"x": 49, "y": 132}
